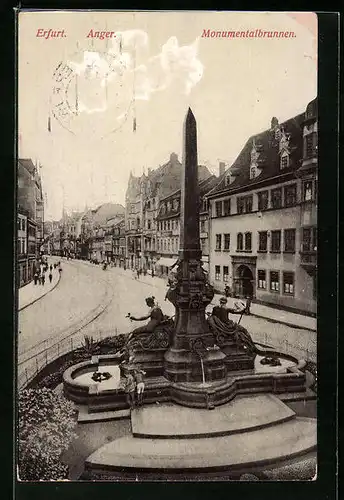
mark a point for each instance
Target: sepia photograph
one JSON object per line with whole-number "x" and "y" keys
{"x": 166, "y": 246}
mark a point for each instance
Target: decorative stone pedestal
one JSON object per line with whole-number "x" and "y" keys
{"x": 185, "y": 366}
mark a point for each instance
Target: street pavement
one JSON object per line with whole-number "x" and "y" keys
{"x": 31, "y": 293}
{"x": 86, "y": 291}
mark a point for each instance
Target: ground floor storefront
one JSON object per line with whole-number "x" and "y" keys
{"x": 26, "y": 270}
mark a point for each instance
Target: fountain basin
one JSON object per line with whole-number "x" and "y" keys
{"x": 79, "y": 386}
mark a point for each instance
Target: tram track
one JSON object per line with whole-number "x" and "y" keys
{"x": 76, "y": 327}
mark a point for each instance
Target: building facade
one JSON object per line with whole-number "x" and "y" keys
{"x": 168, "y": 227}
{"x": 30, "y": 220}
{"x": 143, "y": 209}
{"x": 263, "y": 217}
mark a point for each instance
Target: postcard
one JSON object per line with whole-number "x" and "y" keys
{"x": 166, "y": 259}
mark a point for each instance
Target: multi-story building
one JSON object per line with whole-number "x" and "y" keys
{"x": 95, "y": 236}
{"x": 142, "y": 206}
{"x": 22, "y": 250}
{"x": 119, "y": 244}
{"x": 142, "y": 201}
{"x": 263, "y": 217}
{"x": 168, "y": 225}
{"x": 30, "y": 220}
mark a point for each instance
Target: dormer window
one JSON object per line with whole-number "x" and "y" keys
{"x": 284, "y": 163}
{"x": 253, "y": 172}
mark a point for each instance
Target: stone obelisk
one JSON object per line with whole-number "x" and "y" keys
{"x": 190, "y": 354}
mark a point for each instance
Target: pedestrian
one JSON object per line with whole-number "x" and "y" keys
{"x": 130, "y": 389}
{"x": 145, "y": 272}
{"x": 35, "y": 278}
{"x": 40, "y": 279}
{"x": 51, "y": 267}
{"x": 50, "y": 277}
{"x": 43, "y": 279}
{"x": 152, "y": 273}
{"x": 60, "y": 270}
{"x": 138, "y": 273}
{"x": 140, "y": 385}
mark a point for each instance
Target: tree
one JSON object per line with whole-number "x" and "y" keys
{"x": 46, "y": 428}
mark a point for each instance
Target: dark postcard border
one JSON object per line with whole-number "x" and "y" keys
{"x": 325, "y": 486}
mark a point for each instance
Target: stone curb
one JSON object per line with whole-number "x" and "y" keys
{"x": 281, "y": 322}
{"x": 41, "y": 296}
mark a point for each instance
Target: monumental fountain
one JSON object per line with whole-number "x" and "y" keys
{"x": 191, "y": 369}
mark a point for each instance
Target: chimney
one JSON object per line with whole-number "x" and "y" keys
{"x": 274, "y": 122}
{"x": 222, "y": 168}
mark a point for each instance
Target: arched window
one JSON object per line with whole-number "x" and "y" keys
{"x": 239, "y": 241}
{"x": 248, "y": 241}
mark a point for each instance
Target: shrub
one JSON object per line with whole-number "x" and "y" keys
{"x": 46, "y": 429}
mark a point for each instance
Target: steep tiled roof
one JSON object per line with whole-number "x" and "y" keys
{"x": 267, "y": 145}
{"x": 204, "y": 186}
{"x": 166, "y": 178}
{"x": 28, "y": 164}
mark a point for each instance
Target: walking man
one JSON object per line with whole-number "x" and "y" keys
{"x": 35, "y": 278}
{"x": 50, "y": 277}
{"x": 43, "y": 279}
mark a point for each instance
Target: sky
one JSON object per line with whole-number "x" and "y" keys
{"x": 79, "y": 96}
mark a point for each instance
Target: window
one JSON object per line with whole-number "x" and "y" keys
{"x": 227, "y": 207}
{"x": 253, "y": 172}
{"x": 165, "y": 225}
{"x": 239, "y": 242}
{"x": 275, "y": 241}
{"x": 218, "y": 242}
{"x": 262, "y": 241}
{"x": 289, "y": 240}
{"x": 284, "y": 161}
{"x": 315, "y": 286}
{"x": 225, "y": 273}
{"x": 309, "y": 145}
{"x": 227, "y": 180}
{"x": 290, "y": 195}
{"x": 217, "y": 272}
{"x": 169, "y": 225}
{"x": 276, "y": 198}
{"x": 19, "y": 245}
{"x": 227, "y": 243}
{"x": 263, "y": 200}
{"x": 307, "y": 190}
{"x": 218, "y": 208}
{"x": 18, "y": 223}
{"x": 202, "y": 226}
{"x": 274, "y": 281}
{"x": 23, "y": 224}
{"x": 248, "y": 242}
{"x": 261, "y": 279}
{"x": 288, "y": 283}
{"x": 244, "y": 204}
{"x": 309, "y": 239}
{"x": 149, "y": 224}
